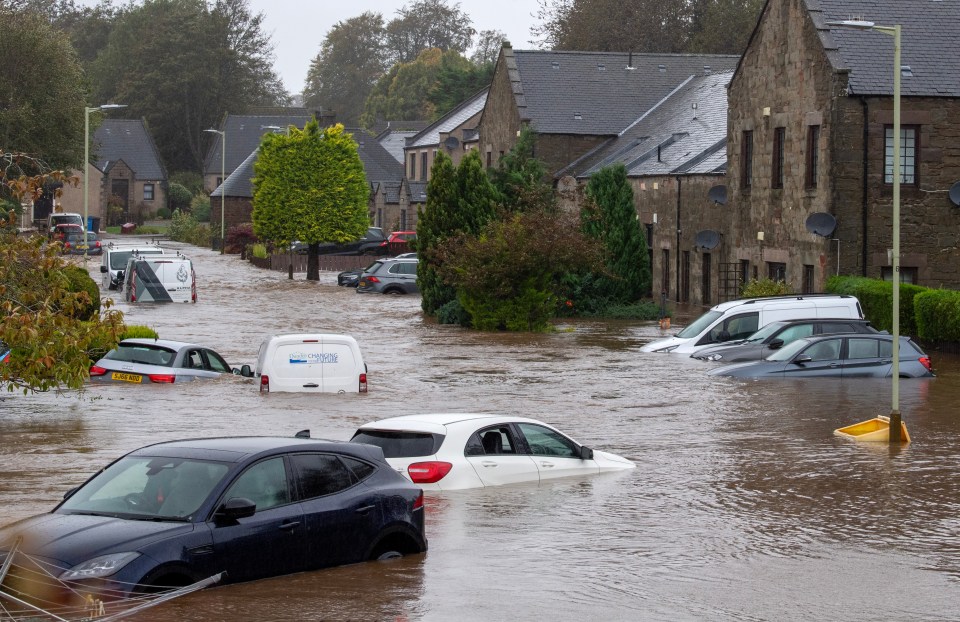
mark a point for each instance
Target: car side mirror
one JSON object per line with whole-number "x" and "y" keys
{"x": 723, "y": 336}
{"x": 120, "y": 276}
{"x": 246, "y": 372}
{"x": 803, "y": 358}
{"x": 586, "y": 453}
{"x": 236, "y": 508}
{"x": 775, "y": 344}
{"x": 103, "y": 269}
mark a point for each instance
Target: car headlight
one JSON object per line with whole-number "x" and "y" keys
{"x": 669, "y": 348}
{"x": 98, "y": 567}
{"x": 713, "y": 357}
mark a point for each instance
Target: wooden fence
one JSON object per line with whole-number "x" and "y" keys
{"x": 335, "y": 263}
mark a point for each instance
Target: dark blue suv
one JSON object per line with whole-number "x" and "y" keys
{"x": 172, "y": 514}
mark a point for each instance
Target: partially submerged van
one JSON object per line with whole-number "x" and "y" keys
{"x": 115, "y": 257}
{"x": 738, "y": 319}
{"x": 63, "y": 218}
{"x": 312, "y": 363}
{"x": 159, "y": 278}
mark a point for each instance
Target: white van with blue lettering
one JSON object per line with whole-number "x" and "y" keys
{"x": 311, "y": 363}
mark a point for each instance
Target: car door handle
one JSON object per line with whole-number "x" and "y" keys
{"x": 546, "y": 464}
{"x": 488, "y": 463}
{"x": 287, "y": 526}
{"x": 364, "y": 509}
{"x": 311, "y": 385}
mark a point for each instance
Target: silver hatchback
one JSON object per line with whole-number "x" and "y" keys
{"x": 390, "y": 276}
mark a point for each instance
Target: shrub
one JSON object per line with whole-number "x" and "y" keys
{"x": 453, "y": 313}
{"x": 239, "y": 237}
{"x": 189, "y": 180}
{"x": 876, "y": 298}
{"x": 163, "y": 213}
{"x": 136, "y": 331}
{"x": 185, "y": 228}
{"x": 178, "y": 197}
{"x": 764, "y": 287}
{"x": 259, "y": 251}
{"x": 200, "y": 207}
{"x": 937, "y": 313}
{"x": 80, "y": 281}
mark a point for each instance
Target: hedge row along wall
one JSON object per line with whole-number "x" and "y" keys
{"x": 938, "y": 315}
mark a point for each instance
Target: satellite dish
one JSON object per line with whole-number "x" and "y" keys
{"x": 707, "y": 239}
{"x": 955, "y": 194}
{"x": 718, "y": 194}
{"x": 822, "y": 224}
{"x": 451, "y": 143}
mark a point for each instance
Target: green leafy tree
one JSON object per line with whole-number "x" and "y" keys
{"x": 609, "y": 216}
{"x": 456, "y": 81}
{"x": 520, "y": 178}
{"x": 434, "y": 225}
{"x": 190, "y": 180}
{"x": 402, "y": 92}
{"x": 426, "y": 24}
{"x": 487, "y": 47}
{"x": 181, "y": 64}
{"x": 178, "y": 197}
{"x": 41, "y": 91}
{"x": 310, "y": 186}
{"x": 352, "y": 58}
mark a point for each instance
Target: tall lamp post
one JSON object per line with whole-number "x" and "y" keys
{"x": 223, "y": 182}
{"x": 86, "y": 165}
{"x": 894, "y": 31}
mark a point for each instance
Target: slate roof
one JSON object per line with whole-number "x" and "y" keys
{"x": 685, "y": 133}
{"x": 417, "y": 191}
{"x": 243, "y": 136}
{"x": 128, "y": 140}
{"x": 378, "y": 167}
{"x": 594, "y": 93}
{"x": 930, "y": 30}
{"x": 394, "y": 141}
{"x": 466, "y": 109}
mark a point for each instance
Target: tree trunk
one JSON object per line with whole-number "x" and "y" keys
{"x": 313, "y": 262}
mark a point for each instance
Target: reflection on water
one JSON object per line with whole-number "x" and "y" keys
{"x": 744, "y": 504}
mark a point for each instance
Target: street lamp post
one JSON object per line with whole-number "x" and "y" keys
{"x": 894, "y": 31}
{"x": 86, "y": 165}
{"x": 223, "y": 182}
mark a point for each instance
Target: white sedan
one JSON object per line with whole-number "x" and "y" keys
{"x": 454, "y": 451}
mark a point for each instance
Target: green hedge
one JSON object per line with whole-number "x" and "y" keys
{"x": 938, "y": 315}
{"x": 876, "y": 298}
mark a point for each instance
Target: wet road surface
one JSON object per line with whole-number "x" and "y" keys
{"x": 744, "y": 505}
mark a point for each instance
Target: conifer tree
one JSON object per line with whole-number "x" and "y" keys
{"x": 434, "y": 224}
{"x": 520, "y": 177}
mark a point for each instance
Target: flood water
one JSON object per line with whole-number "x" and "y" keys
{"x": 744, "y": 505}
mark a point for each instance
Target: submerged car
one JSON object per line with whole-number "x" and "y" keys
{"x": 142, "y": 361}
{"x": 838, "y": 356}
{"x": 390, "y": 276}
{"x": 175, "y": 513}
{"x": 82, "y": 243}
{"x": 455, "y": 451}
{"x": 775, "y": 335}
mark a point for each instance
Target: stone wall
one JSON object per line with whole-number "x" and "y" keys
{"x": 500, "y": 120}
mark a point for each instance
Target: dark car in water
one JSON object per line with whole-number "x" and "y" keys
{"x": 837, "y": 356}
{"x": 775, "y": 335}
{"x": 373, "y": 242}
{"x": 175, "y": 513}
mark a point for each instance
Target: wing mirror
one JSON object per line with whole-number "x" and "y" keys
{"x": 723, "y": 336}
{"x": 103, "y": 269}
{"x": 775, "y": 344}
{"x": 803, "y": 358}
{"x": 244, "y": 371}
{"x": 586, "y": 453}
{"x": 236, "y": 508}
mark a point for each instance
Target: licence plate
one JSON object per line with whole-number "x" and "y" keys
{"x": 363, "y": 283}
{"x": 126, "y": 377}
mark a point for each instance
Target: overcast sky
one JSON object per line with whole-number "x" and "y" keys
{"x": 297, "y": 28}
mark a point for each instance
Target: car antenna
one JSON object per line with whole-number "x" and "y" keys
{"x": 302, "y": 434}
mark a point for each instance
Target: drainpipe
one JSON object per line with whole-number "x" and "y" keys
{"x": 866, "y": 170}
{"x": 676, "y": 252}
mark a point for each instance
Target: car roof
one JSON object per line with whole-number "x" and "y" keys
{"x": 761, "y": 301}
{"x": 237, "y": 448}
{"x": 822, "y": 319}
{"x": 438, "y": 422}
{"x": 164, "y": 343}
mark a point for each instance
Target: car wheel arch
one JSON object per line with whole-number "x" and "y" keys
{"x": 397, "y": 538}
{"x": 167, "y": 576}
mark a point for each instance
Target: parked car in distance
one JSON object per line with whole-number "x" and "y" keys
{"x": 738, "y": 319}
{"x": 775, "y": 335}
{"x": 350, "y": 278}
{"x": 838, "y": 356}
{"x": 389, "y": 276}
{"x": 159, "y": 278}
{"x": 457, "y": 450}
{"x": 372, "y": 243}
{"x": 60, "y": 233}
{"x": 63, "y": 218}
{"x": 175, "y": 513}
{"x": 398, "y": 241}
{"x": 144, "y": 361}
{"x": 311, "y": 363}
{"x": 82, "y": 243}
{"x": 115, "y": 257}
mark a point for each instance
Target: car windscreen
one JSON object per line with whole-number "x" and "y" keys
{"x": 765, "y": 332}
{"x": 118, "y": 259}
{"x": 399, "y": 443}
{"x": 699, "y": 324}
{"x": 65, "y": 220}
{"x": 148, "y": 487}
{"x": 143, "y": 353}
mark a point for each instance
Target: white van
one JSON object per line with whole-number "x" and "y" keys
{"x": 64, "y": 218}
{"x": 159, "y": 278}
{"x": 115, "y": 257}
{"x": 311, "y": 363}
{"x": 738, "y": 319}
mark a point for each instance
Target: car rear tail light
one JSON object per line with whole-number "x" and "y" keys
{"x": 428, "y": 472}
{"x": 372, "y": 279}
{"x": 162, "y": 378}
{"x": 418, "y": 504}
{"x": 925, "y": 361}
{"x": 97, "y": 371}
{"x": 264, "y": 383}
{"x": 363, "y": 383}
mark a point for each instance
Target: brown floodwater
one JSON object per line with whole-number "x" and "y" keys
{"x": 744, "y": 505}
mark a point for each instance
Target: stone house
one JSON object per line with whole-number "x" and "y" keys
{"x": 576, "y": 101}
{"x": 810, "y": 145}
{"x": 127, "y": 173}
{"x": 454, "y": 133}
{"x": 675, "y": 157}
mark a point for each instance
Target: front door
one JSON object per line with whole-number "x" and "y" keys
{"x": 554, "y": 454}
{"x": 120, "y": 196}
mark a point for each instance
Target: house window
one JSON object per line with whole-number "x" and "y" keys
{"x": 147, "y": 192}
{"x": 665, "y": 276}
{"x": 403, "y": 227}
{"x": 705, "y": 285}
{"x": 776, "y": 271}
{"x": 744, "y": 272}
{"x": 778, "y": 139}
{"x": 413, "y": 166}
{"x": 489, "y": 158}
{"x": 909, "y": 150}
{"x": 807, "y": 285}
{"x": 380, "y": 220}
{"x": 746, "y": 156}
{"x": 907, "y": 275}
{"x": 423, "y": 166}
{"x": 813, "y": 155}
